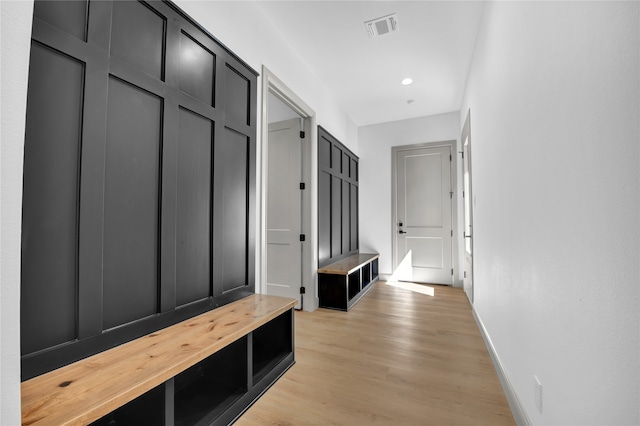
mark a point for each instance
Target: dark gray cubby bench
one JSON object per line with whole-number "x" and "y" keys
{"x": 341, "y": 284}
{"x": 203, "y": 371}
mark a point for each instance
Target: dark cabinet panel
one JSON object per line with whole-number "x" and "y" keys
{"x": 237, "y": 96}
{"x": 68, "y": 16}
{"x": 354, "y": 218}
{"x": 353, "y": 170}
{"x": 132, "y": 171}
{"x": 337, "y": 200}
{"x": 50, "y": 201}
{"x": 336, "y": 216}
{"x": 232, "y": 181}
{"x": 194, "y": 214}
{"x": 324, "y": 152}
{"x": 336, "y": 160}
{"x": 138, "y": 36}
{"x": 197, "y": 69}
{"x": 346, "y": 215}
{"x": 324, "y": 216}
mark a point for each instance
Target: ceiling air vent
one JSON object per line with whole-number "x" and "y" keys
{"x": 381, "y": 26}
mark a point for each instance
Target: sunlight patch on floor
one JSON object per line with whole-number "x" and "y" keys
{"x": 415, "y": 287}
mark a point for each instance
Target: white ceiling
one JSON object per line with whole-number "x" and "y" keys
{"x": 433, "y": 46}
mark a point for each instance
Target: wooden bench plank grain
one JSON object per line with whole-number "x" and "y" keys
{"x": 349, "y": 264}
{"x": 86, "y": 390}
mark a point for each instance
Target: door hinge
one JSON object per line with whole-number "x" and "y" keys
{"x": 302, "y": 237}
{"x": 450, "y": 159}
{"x": 302, "y": 134}
{"x": 302, "y": 185}
{"x": 465, "y": 274}
{"x": 451, "y": 271}
{"x": 452, "y": 232}
{"x": 451, "y": 195}
{"x": 302, "y": 290}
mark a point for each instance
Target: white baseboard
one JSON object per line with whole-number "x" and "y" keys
{"x": 518, "y": 411}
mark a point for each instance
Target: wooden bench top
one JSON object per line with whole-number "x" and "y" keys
{"x": 88, "y": 389}
{"x": 349, "y": 264}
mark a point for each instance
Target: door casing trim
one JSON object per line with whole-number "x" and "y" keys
{"x": 272, "y": 84}
{"x": 466, "y": 133}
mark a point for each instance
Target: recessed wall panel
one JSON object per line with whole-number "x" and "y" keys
{"x": 50, "y": 200}
{"x": 353, "y": 215}
{"x": 197, "y": 70}
{"x": 336, "y": 159}
{"x": 346, "y": 216}
{"x": 231, "y": 160}
{"x": 336, "y": 216}
{"x": 194, "y": 215}
{"x": 68, "y": 16}
{"x": 131, "y": 198}
{"x": 324, "y": 152}
{"x": 345, "y": 164}
{"x": 237, "y": 96}
{"x": 353, "y": 170}
{"x": 138, "y": 36}
{"x": 324, "y": 217}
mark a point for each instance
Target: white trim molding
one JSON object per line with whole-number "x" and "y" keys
{"x": 518, "y": 411}
{"x": 271, "y": 83}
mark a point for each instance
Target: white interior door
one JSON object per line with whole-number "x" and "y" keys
{"x": 424, "y": 232}
{"x": 284, "y": 209}
{"x": 467, "y": 195}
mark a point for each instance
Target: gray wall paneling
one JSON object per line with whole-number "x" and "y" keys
{"x": 337, "y": 199}
{"x": 139, "y": 169}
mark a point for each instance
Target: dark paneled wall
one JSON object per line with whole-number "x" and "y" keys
{"x": 139, "y": 176}
{"x": 337, "y": 200}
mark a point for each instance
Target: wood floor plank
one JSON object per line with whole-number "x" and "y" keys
{"x": 399, "y": 357}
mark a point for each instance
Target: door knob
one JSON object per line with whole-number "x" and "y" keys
{"x": 401, "y": 232}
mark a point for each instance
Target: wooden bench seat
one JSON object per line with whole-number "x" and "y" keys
{"x": 86, "y": 390}
{"x": 349, "y": 264}
{"x": 341, "y": 284}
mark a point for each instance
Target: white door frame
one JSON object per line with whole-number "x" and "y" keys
{"x": 272, "y": 84}
{"x": 454, "y": 203}
{"x": 466, "y": 134}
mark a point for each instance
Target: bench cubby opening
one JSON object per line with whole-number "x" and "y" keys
{"x": 366, "y": 275}
{"x": 272, "y": 343}
{"x": 354, "y": 284}
{"x": 210, "y": 387}
{"x": 146, "y": 410}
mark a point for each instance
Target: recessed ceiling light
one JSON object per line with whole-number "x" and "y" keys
{"x": 407, "y": 81}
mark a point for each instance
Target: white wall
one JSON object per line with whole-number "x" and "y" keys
{"x": 15, "y": 33}
{"x": 374, "y": 144}
{"x": 554, "y": 98}
{"x": 243, "y": 28}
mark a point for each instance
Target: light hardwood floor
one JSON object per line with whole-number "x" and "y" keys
{"x": 398, "y": 357}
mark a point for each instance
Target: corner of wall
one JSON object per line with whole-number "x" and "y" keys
{"x": 15, "y": 33}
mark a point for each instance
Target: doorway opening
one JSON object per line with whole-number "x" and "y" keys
{"x": 289, "y": 189}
